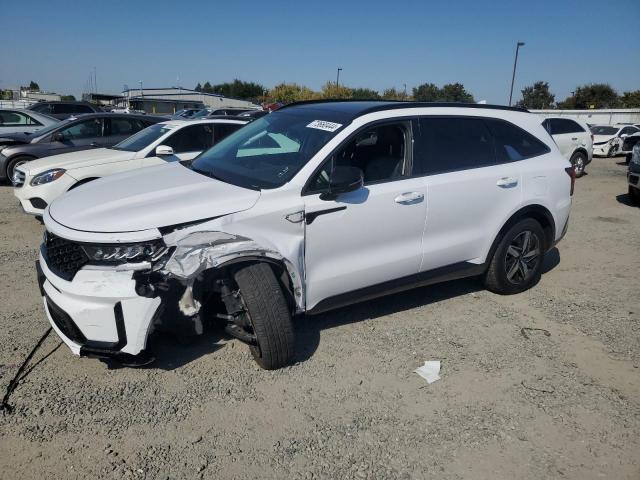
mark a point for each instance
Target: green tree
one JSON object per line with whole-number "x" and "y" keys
{"x": 68, "y": 98}
{"x": 198, "y": 87}
{"x": 290, "y": 92}
{"x": 537, "y": 96}
{"x": 207, "y": 88}
{"x": 630, "y": 99}
{"x": 427, "y": 92}
{"x": 364, "y": 94}
{"x": 595, "y": 95}
{"x": 34, "y": 86}
{"x": 240, "y": 89}
{"x": 332, "y": 91}
{"x": 455, "y": 92}
{"x": 393, "y": 94}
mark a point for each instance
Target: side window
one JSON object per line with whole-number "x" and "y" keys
{"x": 125, "y": 126}
{"x": 14, "y": 119}
{"x": 42, "y": 108}
{"x": 381, "y": 152}
{"x": 87, "y": 129}
{"x": 449, "y": 144}
{"x": 81, "y": 109}
{"x": 574, "y": 127}
{"x": 513, "y": 143}
{"x": 63, "y": 108}
{"x": 223, "y": 130}
{"x": 561, "y": 126}
{"x": 191, "y": 139}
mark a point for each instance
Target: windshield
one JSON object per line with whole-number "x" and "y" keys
{"x": 143, "y": 138}
{"x": 268, "y": 152}
{"x": 604, "y": 130}
{"x": 202, "y": 113}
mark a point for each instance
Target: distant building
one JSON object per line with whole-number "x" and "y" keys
{"x": 104, "y": 99}
{"x": 169, "y": 100}
{"x": 40, "y": 96}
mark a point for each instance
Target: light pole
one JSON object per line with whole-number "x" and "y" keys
{"x": 404, "y": 96}
{"x": 515, "y": 63}
{"x": 338, "y": 77}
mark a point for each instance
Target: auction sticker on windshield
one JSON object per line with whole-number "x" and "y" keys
{"x": 324, "y": 125}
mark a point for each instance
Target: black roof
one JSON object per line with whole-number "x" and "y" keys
{"x": 355, "y": 108}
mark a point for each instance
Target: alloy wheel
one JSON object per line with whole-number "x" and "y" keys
{"x": 522, "y": 257}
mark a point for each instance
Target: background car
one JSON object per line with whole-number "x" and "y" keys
{"x": 574, "y": 139}
{"x": 185, "y": 113}
{"x": 633, "y": 175}
{"x": 607, "y": 139}
{"x": 40, "y": 182}
{"x": 85, "y": 132}
{"x": 15, "y": 120}
{"x": 62, "y": 110}
{"x": 253, "y": 114}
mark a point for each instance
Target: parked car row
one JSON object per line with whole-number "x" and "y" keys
{"x": 308, "y": 208}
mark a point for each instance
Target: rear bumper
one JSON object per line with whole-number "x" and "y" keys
{"x": 98, "y": 313}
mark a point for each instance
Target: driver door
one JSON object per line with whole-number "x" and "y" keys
{"x": 371, "y": 235}
{"x": 81, "y": 135}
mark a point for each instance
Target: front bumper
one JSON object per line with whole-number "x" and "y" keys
{"x": 34, "y": 200}
{"x": 602, "y": 150}
{"x": 98, "y": 312}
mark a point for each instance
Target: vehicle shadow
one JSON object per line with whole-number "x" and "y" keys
{"x": 625, "y": 199}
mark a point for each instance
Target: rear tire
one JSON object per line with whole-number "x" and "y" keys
{"x": 634, "y": 195}
{"x": 269, "y": 315}
{"x": 579, "y": 162}
{"x": 516, "y": 264}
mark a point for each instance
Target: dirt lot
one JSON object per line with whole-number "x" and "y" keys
{"x": 560, "y": 406}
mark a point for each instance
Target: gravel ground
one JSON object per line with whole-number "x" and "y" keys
{"x": 560, "y": 406}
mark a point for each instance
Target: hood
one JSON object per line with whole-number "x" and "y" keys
{"x": 148, "y": 198}
{"x": 17, "y": 138}
{"x": 80, "y": 159}
{"x": 602, "y": 138}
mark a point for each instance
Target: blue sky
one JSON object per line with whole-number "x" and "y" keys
{"x": 378, "y": 44}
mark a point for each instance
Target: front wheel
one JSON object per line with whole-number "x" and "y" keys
{"x": 579, "y": 162}
{"x": 16, "y": 162}
{"x": 268, "y": 314}
{"x": 516, "y": 264}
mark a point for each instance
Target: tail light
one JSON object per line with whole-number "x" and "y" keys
{"x": 572, "y": 173}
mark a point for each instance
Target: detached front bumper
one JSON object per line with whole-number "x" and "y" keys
{"x": 98, "y": 313}
{"x": 602, "y": 150}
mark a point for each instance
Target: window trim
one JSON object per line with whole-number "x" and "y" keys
{"x": 78, "y": 122}
{"x": 483, "y": 119}
{"x": 407, "y": 122}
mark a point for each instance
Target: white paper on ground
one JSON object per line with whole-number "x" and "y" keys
{"x": 430, "y": 371}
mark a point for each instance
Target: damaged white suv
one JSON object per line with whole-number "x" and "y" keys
{"x": 315, "y": 206}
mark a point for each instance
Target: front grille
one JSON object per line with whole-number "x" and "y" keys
{"x": 18, "y": 178}
{"x": 63, "y": 257}
{"x": 64, "y": 323}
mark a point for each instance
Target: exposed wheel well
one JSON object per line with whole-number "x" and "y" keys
{"x": 580, "y": 150}
{"x": 82, "y": 182}
{"x": 10, "y": 160}
{"x": 539, "y": 213}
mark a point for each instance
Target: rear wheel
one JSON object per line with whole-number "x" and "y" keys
{"x": 516, "y": 264}
{"x": 579, "y": 162}
{"x": 634, "y": 195}
{"x": 16, "y": 162}
{"x": 268, "y": 314}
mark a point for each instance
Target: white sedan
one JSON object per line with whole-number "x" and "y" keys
{"x": 608, "y": 139}
{"x": 39, "y": 182}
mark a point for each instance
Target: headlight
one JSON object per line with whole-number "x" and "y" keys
{"x": 136, "y": 252}
{"x": 48, "y": 176}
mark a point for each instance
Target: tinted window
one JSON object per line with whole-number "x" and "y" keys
{"x": 560, "y": 126}
{"x": 448, "y": 144}
{"x": 604, "y": 130}
{"x": 43, "y": 108}
{"x": 513, "y": 143}
{"x": 223, "y": 130}
{"x": 13, "y": 119}
{"x": 62, "y": 108}
{"x": 628, "y": 131}
{"x": 125, "y": 126}
{"x": 81, "y": 109}
{"x": 87, "y": 129}
{"x": 380, "y": 152}
{"x": 191, "y": 139}
{"x": 143, "y": 138}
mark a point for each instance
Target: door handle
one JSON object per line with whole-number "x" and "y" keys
{"x": 574, "y": 138}
{"x": 94, "y": 144}
{"x": 507, "y": 182}
{"x": 409, "y": 198}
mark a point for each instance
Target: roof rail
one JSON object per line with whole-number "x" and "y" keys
{"x": 395, "y": 104}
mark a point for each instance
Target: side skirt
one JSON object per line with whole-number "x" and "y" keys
{"x": 442, "y": 274}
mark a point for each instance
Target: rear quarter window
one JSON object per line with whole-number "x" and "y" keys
{"x": 512, "y": 143}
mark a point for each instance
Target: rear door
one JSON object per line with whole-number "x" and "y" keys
{"x": 372, "y": 235}
{"x": 473, "y": 182}
{"x": 119, "y": 128}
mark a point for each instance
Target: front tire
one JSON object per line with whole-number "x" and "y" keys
{"x": 15, "y": 162}
{"x": 579, "y": 162}
{"x": 516, "y": 264}
{"x": 266, "y": 307}
{"x": 634, "y": 195}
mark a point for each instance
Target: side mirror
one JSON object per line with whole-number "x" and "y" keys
{"x": 163, "y": 150}
{"x": 343, "y": 180}
{"x": 58, "y": 137}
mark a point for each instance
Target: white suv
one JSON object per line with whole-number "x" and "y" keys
{"x": 39, "y": 182}
{"x": 574, "y": 139}
{"x": 315, "y": 206}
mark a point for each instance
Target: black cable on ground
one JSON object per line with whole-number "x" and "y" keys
{"x": 4, "y": 406}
